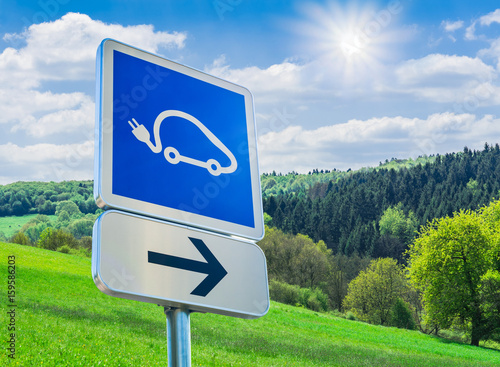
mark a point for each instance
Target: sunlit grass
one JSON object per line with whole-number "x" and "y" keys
{"x": 62, "y": 319}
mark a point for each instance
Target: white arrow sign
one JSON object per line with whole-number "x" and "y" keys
{"x": 149, "y": 260}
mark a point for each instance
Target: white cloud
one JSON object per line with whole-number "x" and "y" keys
{"x": 485, "y": 20}
{"x": 452, "y": 26}
{"x": 447, "y": 79}
{"x": 19, "y": 104}
{"x": 45, "y": 162}
{"x": 277, "y": 82}
{"x": 431, "y": 66}
{"x": 493, "y": 17}
{"x": 61, "y": 121}
{"x": 71, "y": 41}
{"x": 62, "y": 50}
{"x": 493, "y": 51}
{"x": 358, "y": 143}
{"x": 470, "y": 32}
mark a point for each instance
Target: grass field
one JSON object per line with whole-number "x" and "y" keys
{"x": 62, "y": 319}
{"x": 9, "y": 225}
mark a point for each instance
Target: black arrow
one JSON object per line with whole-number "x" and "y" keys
{"x": 212, "y": 267}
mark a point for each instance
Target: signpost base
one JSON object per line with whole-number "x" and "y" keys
{"x": 178, "y": 337}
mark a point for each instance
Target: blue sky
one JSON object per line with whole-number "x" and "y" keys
{"x": 336, "y": 84}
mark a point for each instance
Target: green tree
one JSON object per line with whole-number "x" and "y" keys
{"x": 21, "y": 239}
{"x": 401, "y": 316}
{"x": 295, "y": 259}
{"x": 267, "y": 219}
{"x": 81, "y": 227}
{"x": 395, "y": 222}
{"x": 52, "y": 239}
{"x": 70, "y": 207}
{"x": 311, "y": 264}
{"x": 454, "y": 263}
{"x": 372, "y": 294}
{"x": 397, "y": 230}
{"x": 343, "y": 269}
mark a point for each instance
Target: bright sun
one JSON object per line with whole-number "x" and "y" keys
{"x": 352, "y": 39}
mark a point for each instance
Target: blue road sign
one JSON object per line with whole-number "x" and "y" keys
{"x": 175, "y": 143}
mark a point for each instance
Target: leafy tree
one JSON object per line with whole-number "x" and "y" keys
{"x": 343, "y": 269}
{"x": 52, "y": 239}
{"x": 395, "y": 223}
{"x": 397, "y": 230}
{"x": 18, "y": 208}
{"x": 63, "y": 219}
{"x": 295, "y": 259}
{"x": 401, "y": 315}
{"x": 454, "y": 262}
{"x": 267, "y": 219}
{"x": 68, "y": 206}
{"x": 311, "y": 264}
{"x": 21, "y": 239}
{"x": 373, "y": 293}
{"x": 81, "y": 227}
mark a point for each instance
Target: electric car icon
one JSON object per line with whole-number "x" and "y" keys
{"x": 172, "y": 155}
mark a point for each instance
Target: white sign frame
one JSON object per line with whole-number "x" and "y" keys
{"x": 103, "y": 166}
{"x": 120, "y": 266}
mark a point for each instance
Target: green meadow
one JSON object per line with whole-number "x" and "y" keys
{"x": 12, "y": 224}
{"x": 62, "y": 319}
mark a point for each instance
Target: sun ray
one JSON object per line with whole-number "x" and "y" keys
{"x": 349, "y": 39}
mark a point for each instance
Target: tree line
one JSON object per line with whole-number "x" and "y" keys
{"x": 21, "y": 198}
{"x": 345, "y": 213}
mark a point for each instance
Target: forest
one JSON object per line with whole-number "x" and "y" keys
{"x": 345, "y": 213}
{"x": 340, "y": 241}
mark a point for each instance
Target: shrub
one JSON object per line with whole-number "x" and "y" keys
{"x": 85, "y": 242}
{"x": 64, "y": 249}
{"x": 283, "y": 292}
{"x": 21, "y": 239}
{"x": 52, "y": 239}
{"x": 350, "y": 316}
{"x": 313, "y": 299}
{"x": 401, "y": 316}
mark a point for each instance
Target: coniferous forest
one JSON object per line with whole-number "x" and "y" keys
{"x": 346, "y": 213}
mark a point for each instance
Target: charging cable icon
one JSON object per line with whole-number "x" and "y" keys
{"x": 172, "y": 155}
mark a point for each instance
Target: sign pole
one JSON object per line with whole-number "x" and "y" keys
{"x": 178, "y": 337}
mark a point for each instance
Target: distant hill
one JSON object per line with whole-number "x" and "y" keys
{"x": 21, "y": 198}
{"x": 280, "y": 184}
{"x": 36, "y": 197}
{"x": 345, "y": 211}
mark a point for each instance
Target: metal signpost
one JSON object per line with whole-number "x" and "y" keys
{"x": 176, "y": 170}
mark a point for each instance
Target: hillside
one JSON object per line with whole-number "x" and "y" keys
{"x": 62, "y": 319}
{"x": 346, "y": 213}
{"x": 21, "y": 198}
{"x": 274, "y": 184}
